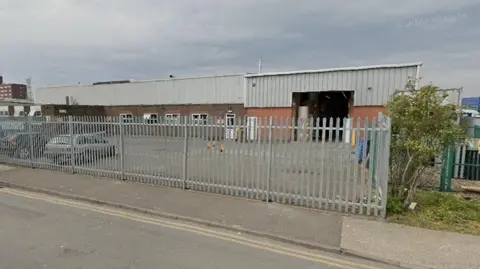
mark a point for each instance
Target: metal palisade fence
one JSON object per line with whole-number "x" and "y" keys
{"x": 331, "y": 164}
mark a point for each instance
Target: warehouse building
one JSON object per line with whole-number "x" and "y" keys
{"x": 339, "y": 92}
{"x": 197, "y": 96}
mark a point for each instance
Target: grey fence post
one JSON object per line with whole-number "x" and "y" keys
{"x": 72, "y": 144}
{"x": 122, "y": 148}
{"x": 270, "y": 158}
{"x": 386, "y": 164}
{"x": 30, "y": 131}
{"x": 185, "y": 153}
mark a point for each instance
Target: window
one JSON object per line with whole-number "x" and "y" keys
{"x": 172, "y": 118}
{"x": 89, "y": 139}
{"x": 127, "y": 117}
{"x": 81, "y": 140}
{"x": 200, "y": 119}
{"x": 150, "y": 118}
{"x": 230, "y": 119}
{"x": 37, "y": 113}
{"x": 61, "y": 140}
{"x": 99, "y": 140}
{"x": 21, "y": 113}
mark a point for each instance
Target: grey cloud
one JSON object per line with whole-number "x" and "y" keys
{"x": 61, "y": 41}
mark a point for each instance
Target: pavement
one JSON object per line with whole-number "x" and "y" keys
{"x": 373, "y": 239}
{"x": 39, "y": 231}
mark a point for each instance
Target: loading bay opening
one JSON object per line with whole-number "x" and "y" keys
{"x": 329, "y": 104}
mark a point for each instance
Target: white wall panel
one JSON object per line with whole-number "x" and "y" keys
{"x": 202, "y": 90}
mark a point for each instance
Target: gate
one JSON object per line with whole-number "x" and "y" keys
{"x": 461, "y": 162}
{"x": 467, "y": 163}
{"x": 319, "y": 170}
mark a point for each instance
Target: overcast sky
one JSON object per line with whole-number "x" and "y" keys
{"x": 68, "y": 41}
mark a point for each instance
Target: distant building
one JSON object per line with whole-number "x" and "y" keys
{"x": 13, "y": 91}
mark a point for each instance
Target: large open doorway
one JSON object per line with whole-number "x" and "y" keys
{"x": 328, "y": 105}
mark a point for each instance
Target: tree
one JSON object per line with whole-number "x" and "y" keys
{"x": 423, "y": 126}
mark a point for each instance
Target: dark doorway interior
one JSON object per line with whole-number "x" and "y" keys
{"x": 331, "y": 105}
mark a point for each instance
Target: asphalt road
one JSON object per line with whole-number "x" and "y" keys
{"x": 40, "y": 231}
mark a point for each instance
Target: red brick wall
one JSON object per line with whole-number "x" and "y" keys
{"x": 15, "y": 91}
{"x": 215, "y": 110}
{"x": 282, "y": 119}
{"x": 285, "y": 112}
{"x": 263, "y": 115}
{"x": 363, "y": 112}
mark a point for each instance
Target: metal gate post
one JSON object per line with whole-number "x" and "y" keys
{"x": 386, "y": 164}
{"x": 122, "y": 148}
{"x": 185, "y": 153}
{"x": 30, "y": 138}
{"x": 270, "y": 159}
{"x": 72, "y": 144}
{"x": 447, "y": 170}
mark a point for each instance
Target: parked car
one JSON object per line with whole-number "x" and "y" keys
{"x": 86, "y": 147}
{"x": 17, "y": 145}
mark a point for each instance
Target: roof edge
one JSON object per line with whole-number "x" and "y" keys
{"x": 16, "y": 102}
{"x": 356, "y": 68}
{"x": 145, "y": 81}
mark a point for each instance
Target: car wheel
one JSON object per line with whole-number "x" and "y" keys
{"x": 22, "y": 153}
{"x": 111, "y": 153}
{"x": 87, "y": 157}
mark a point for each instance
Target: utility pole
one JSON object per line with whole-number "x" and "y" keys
{"x": 28, "y": 81}
{"x": 259, "y": 65}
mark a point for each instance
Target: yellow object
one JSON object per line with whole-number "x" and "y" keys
{"x": 208, "y": 146}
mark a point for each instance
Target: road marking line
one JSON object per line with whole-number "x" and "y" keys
{"x": 202, "y": 231}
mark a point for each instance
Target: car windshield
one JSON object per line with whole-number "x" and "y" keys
{"x": 61, "y": 140}
{"x": 10, "y": 135}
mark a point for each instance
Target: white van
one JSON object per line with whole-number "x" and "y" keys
{"x": 3, "y": 111}
{"x": 35, "y": 111}
{"x": 470, "y": 113}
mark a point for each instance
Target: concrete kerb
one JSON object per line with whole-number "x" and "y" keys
{"x": 233, "y": 228}
{"x": 356, "y": 254}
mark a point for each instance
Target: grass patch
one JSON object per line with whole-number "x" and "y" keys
{"x": 442, "y": 211}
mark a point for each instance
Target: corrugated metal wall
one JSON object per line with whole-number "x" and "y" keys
{"x": 276, "y": 90}
{"x": 202, "y": 90}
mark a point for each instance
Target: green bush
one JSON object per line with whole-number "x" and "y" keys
{"x": 394, "y": 205}
{"x": 423, "y": 126}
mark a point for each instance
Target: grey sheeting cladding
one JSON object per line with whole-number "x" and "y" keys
{"x": 373, "y": 86}
{"x": 226, "y": 89}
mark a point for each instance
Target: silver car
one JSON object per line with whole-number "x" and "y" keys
{"x": 86, "y": 147}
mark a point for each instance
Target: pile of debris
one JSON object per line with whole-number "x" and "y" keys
{"x": 467, "y": 188}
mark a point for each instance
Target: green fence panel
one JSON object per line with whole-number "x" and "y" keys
{"x": 447, "y": 170}
{"x": 476, "y": 131}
